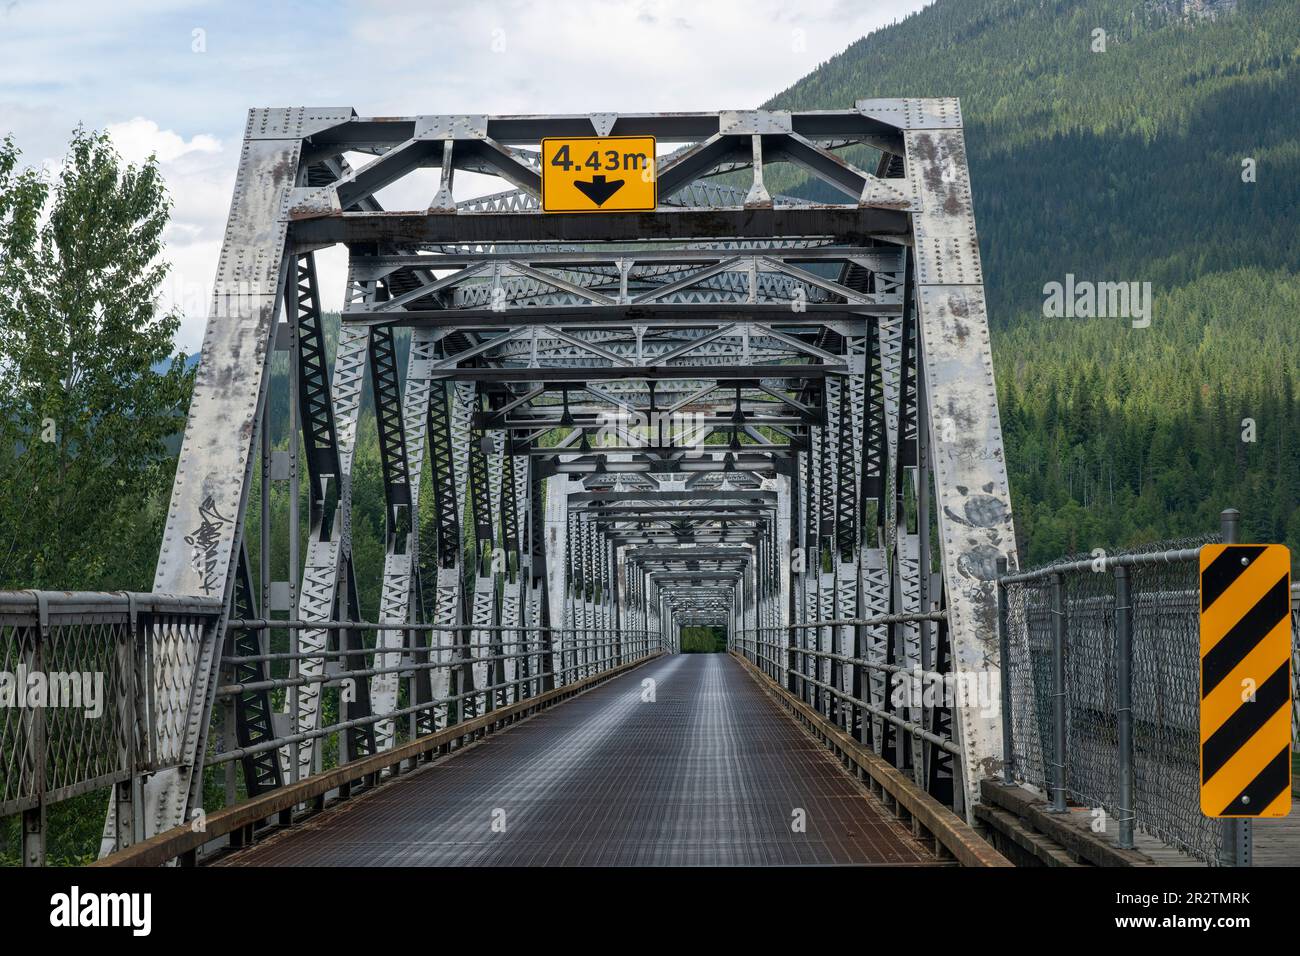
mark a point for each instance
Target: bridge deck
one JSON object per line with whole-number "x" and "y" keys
{"x": 710, "y": 773}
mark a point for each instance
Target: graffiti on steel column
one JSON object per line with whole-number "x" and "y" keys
{"x": 204, "y": 541}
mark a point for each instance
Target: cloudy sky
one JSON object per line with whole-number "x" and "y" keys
{"x": 175, "y": 77}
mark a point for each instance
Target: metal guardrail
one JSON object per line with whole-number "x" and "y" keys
{"x": 919, "y": 810}
{"x": 240, "y": 821}
{"x": 1101, "y": 691}
{"x": 795, "y": 664}
{"x": 511, "y": 666}
{"x": 92, "y": 695}
{"x": 96, "y": 691}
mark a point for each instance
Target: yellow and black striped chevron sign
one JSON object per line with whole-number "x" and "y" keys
{"x": 1245, "y": 680}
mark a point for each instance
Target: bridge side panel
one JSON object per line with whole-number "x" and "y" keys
{"x": 205, "y": 518}
{"x": 971, "y": 488}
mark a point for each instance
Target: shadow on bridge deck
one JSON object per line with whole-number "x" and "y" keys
{"x": 710, "y": 773}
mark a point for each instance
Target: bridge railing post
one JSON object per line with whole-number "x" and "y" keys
{"x": 1004, "y": 663}
{"x": 126, "y": 793}
{"x": 1059, "y": 742}
{"x": 33, "y": 819}
{"x": 791, "y": 660}
{"x": 1124, "y": 703}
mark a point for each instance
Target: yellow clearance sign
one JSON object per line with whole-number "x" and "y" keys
{"x": 599, "y": 174}
{"x": 1245, "y": 680}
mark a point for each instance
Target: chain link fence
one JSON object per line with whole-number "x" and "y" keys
{"x": 94, "y": 688}
{"x": 1133, "y": 614}
{"x": 98, "y": 689}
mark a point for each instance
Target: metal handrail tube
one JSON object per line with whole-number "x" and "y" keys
{"x": 280, "y": 683}
{"x": 915, "y": 617}
{"x": 862, "y": 662}
{"x": 913, "y": 728}
{"x": 91, "y": 601}
{"x": 313, "y": 655}
{"x": 325, "y": 655}
{"x": 1108, "y": 563}
{"x": 264, "y": 624}
{"x": 304, "y": 736}
{"x": 844, "y": 698}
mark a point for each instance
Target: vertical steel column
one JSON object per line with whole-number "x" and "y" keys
{"x": 327, "y": 443}
{"x": 295, "y": 502}
{"x": 615, "y": 620}
{"x": 790, "y": 529}
{"x": 569, "y": 618}
{"x": 250, "y": 716}
{"x": 359, "y": 741}
{"x": 924, "y": 631}
{"x": 401, "y": 412}
{"x": 540, "y": 582}
{"x": 1058, "y": 694}
{"x": 1124, "y": 703}
{"x": 484, "y": 492}
{"x": 967, "y": 460}
{"x": 264, "y": 569}
{"x": 463, "y": 396}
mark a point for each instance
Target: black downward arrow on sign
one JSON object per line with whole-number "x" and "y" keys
{"x": 598, "y": 191}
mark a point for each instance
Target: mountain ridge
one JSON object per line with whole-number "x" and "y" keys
{"x": 1124, "y": 163}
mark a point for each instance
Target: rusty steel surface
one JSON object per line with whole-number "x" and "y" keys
{"x": 709, "y": 773}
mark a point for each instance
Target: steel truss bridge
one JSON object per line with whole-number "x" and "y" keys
{"x": 743, "y": 410}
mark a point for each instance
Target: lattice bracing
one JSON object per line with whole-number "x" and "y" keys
{"x": 736, "y": 410}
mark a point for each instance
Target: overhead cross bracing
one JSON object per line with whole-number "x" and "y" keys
{"x": 740, "y": 406}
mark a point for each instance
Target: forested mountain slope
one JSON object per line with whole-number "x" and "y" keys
{"x": 1123, "y": 164}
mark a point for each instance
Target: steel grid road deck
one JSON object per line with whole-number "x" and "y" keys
{"x": 708, "y": 774}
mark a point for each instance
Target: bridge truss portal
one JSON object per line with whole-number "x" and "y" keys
{"x": 742, "y": 408}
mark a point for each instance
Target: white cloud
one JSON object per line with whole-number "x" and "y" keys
{"x": 138, "y": 138}
{"x": 199, "y": 176}
{"x": 129, "y": 67}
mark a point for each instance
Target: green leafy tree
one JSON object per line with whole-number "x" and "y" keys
{"x": 90, "y": 390}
